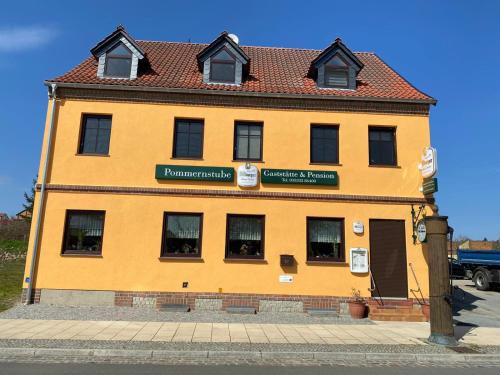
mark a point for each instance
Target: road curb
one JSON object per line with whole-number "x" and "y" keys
{"x": 56, "y": 354}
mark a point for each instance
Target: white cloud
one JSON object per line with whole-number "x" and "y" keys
{"x": 24, "y": 38}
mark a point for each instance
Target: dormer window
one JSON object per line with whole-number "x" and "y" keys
{"x": 336, "y": 67}
{"x": 222, "y": 67}
{"x": 118, "y": 62}
{"x": 119, "y": 56}
{"x": 337, "y": 73}
{"x": 223, "y": 61}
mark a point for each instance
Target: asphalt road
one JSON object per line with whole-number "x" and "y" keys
{"x": 108, "y": 369}
{"x": 474, "y": 307}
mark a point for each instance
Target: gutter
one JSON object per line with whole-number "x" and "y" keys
{"x": 235, "y": 93}
{"x": 41, "y": 204}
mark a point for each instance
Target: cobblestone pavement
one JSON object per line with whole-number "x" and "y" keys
{"x": 144, "y": 314}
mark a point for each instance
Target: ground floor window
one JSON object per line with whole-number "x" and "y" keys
{"x": 245, "y": 236}
{"x": 325, "y": 239}
{"x": 83, "y": 232}
{"x": 182, "y": 234}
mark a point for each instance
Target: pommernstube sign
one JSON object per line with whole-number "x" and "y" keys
{"x": 296, "y": 176}
{"x": 181, "y": 172}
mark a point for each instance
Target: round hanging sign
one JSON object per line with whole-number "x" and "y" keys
{"x": 421, "y": 231}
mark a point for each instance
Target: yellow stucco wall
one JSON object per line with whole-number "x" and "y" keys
{"x": 142, "y": 136}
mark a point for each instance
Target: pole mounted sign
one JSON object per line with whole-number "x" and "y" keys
{"x": 184, "y": 172}
{"x": 301, "y": 177}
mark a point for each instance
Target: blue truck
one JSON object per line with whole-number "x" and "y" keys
{"x": 481, "y": 266}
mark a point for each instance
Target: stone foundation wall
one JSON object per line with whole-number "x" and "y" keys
{"x": 386, "y": 309}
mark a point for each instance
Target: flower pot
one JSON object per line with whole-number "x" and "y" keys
{"x": 357, "y": 309}
{"x": 426, "y": 310}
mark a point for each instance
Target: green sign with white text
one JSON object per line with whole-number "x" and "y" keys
{"x": 301, "y": 177}
{"x": 182, "y": 172}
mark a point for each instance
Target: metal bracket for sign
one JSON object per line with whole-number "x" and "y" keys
{"x": 415, "y": 218}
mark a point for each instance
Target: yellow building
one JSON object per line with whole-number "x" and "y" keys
{"x": 222, "y": 175}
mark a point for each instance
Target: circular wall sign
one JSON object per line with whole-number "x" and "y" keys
{"x": 421, "y": 231}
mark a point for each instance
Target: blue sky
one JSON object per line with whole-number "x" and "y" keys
{"x": 448, "y": 49}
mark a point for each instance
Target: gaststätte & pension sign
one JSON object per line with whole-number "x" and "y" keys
{"x": 185, "y": 172}
{"x": 301, "y": 177}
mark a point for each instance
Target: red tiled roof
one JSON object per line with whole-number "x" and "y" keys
{"x": 272, "y": 70}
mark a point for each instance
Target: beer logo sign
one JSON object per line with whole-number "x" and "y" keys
{"x": 428, "y": 167}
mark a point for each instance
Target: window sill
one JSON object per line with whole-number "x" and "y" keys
{"x": 185, "y": 158}
{"x": 247, "y": 161}
{"x": 81, "y": 255}
{"x": 332, "y": 164}
{"x": 89, "y": 154}
{"x": 180, "y": 259}
{"x": 384, "y": 166}
{"x": 244, "y": 260}
{"x": 326, "y": 262}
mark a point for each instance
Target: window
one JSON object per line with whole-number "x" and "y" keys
{"x": 337, "y": 73}
{"x": 382, "y": 146}
{"x": 222, "y": 67}
{"x": 181, "y": 235}
{"x": 188, "y": 138}
{"x": 245, "y": 236}
{"x": 247, "y": 141}
{"x": 324, "y": 144}
{"x": 325, "y": 239}
{"x": 95, "y": 134}
{"x": 83, "y": 232}
{"x": 118, "y": 62}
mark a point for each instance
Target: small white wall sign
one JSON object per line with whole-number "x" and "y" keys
{"x": 358, "y": 227}
{"x": 359, "y": 260}
{"x": 247, "y": 175}
{"x": 428, "y": 167}
{"x": 286, "y": 279}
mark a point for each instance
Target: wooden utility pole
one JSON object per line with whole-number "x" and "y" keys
{"x": 439, "y": 286}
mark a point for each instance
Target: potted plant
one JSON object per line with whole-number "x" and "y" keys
{"x": 357, "y": 305}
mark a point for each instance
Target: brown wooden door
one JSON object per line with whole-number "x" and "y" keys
{"x": 388, "y": 258}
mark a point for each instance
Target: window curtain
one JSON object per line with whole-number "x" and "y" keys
{"x": 324, "y": 231}
{"x": 245, "y": 229}
{"x": 90, "y": 225}
{"x": 183, "y": 226}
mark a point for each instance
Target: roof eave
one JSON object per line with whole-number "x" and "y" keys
{"x": 430, "y": 101}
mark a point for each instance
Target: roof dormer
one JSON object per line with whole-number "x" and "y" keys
{"x": 118, "y": 55}
{"x": 223, "y": 61}
{"x": 336, "y": 67}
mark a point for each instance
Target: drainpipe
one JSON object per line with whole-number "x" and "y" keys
{"x": 38, "y": 224}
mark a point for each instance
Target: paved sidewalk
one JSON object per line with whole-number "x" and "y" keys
{"x": 386, "y": 333}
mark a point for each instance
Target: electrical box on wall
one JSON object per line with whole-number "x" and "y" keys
{"x": 358, "y": 227}
{"x": 358, "y": 260}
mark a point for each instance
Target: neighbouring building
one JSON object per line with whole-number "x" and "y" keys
{"x": 477, "y": 245}
{"x": 219, "y": 175}
{"x": 24, "y": 214}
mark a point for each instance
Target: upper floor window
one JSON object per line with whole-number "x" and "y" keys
{"x": 324, "y": 144}
{"x": 118, "y": 62}
{"x": 247, "y": 141}
{"x": 382, "y": 144}
{"x": 223, "y": 67}
{"x": 188, "y": 139}
{"x": 95, "y": 135}
{"x": 337, "y": 73}
{"x": 83, "y": 232}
